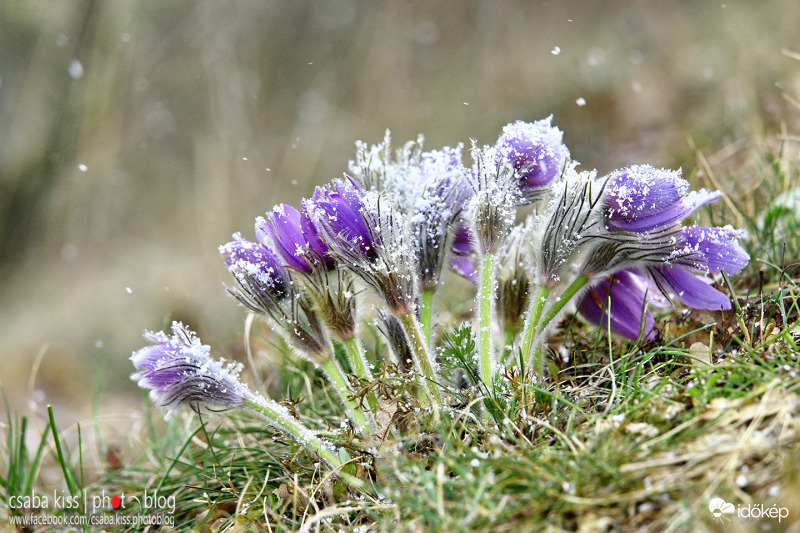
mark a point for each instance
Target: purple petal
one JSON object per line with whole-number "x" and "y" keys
{"x": 339, "y": 214}
{"x": 462, "y": 241}
{"x": 534, "y": 150}
{"x": 644, "y": 198}
{"x": 719, "y": 248}
{"x": 282, "y": 229}
{"x": 245, "y": 258}
{"x": 628, "y": 297}
{"x": 464, "y": 266}
{"x": 692, "y": 290}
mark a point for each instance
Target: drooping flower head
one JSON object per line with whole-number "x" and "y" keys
{"x": 294, "y": 238}
{"x": 268, "y": 288}
{"x": 644, "y": 208}
{"x": 535, "y": 151}
{"x": 367, "y": 234}
{"x": 178, "y": 370}
{"x": 257, "y": 269}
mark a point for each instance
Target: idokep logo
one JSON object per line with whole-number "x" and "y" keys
{"x": 719, "y": 508}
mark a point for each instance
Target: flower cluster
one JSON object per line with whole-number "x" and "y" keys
{"x": 536, "y": 236}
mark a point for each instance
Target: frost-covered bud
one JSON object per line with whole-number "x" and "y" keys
{"x": 644, "y": 198}
{"x": 368, "y": 235}
{"x": 566, "y": 219}
{"x": 294, "y": 238}
{"x": 441, "y": 195}
{"x": 268, "y": 288}
{"x": 514, "y": 285}
{"x": 490, "y": 212}
{"x": 178, "y": 370}
{"x": 535, "y": 152}
{"x": 260, "y": 274}
{"x": 392, "y": 330}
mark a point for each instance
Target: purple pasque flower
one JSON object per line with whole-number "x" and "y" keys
{"x": 257, "y": 269}
{"x": 268, "y": 288}
{"x": 644, "y": 198}
{"x": 178, "y": 369}
{"x": 437, "y": 203}
{"x": 294, "y": 238}
{"x": 535, "y": 151}
{"x": 368, "y": 235}
{"x": 621, "y": 302}
{"x": 643, "y": 209}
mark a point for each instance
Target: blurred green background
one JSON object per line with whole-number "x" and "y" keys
{"x": 136, "y": 136}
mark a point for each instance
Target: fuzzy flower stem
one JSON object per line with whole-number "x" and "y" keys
{"x": 422, "y": 358}
{"x": 295, "y": 428}
{"x": 534, "y": 350}
{"x": 340, "y": 382}
{"x": 532, "y": 324}
{"x": 426, "y": 309}
{"x": 486, "y": 304}
{"x": 573, "y": 289}
{"x": 358, "y": 362}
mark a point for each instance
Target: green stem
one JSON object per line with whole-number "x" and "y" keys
{"x": 563, "y": 300}
{"x": 279, "y": 416}
{"x": 340, "y": 382}
{"x": 426, "y": 311}
{"x": 535, "y": 359}
{"x": 486, "y": 299}
{"x": 533, "y": 322}
{"x": 423, "y": 361}
{"x": 358, "y": 362}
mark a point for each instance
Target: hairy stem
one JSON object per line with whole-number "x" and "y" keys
{"x": 535, "y": 348}
{"x": 486, "y": 302}
{"x": 423, "y": 361}
{"x": 336, "y": 377}
{"x": 358, "y": 363}
{"x": 532, "y": 323}
{"x": 573, "y": 289}
{"x": 426, "y": 311}
{"x": 277, "y": 415}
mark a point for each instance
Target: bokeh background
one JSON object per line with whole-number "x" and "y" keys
{"x": 136, "y": 136}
